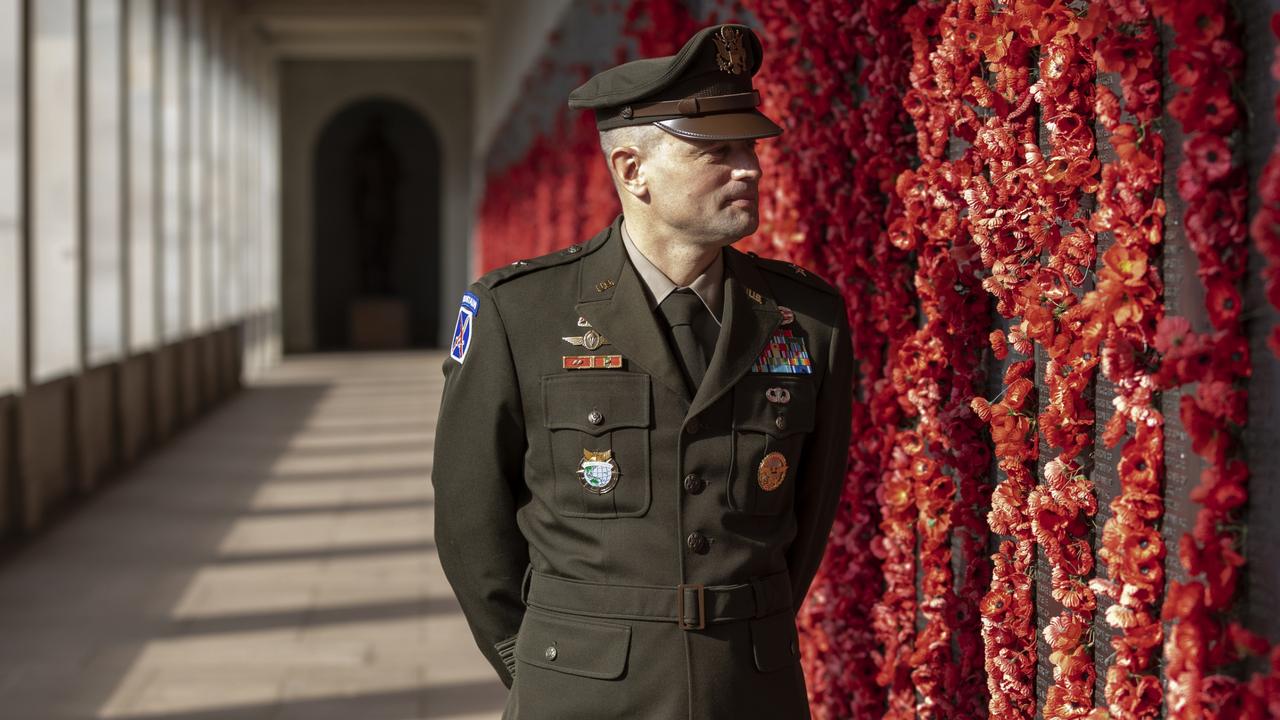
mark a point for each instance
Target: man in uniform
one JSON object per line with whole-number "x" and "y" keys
{"x": 643, "y": 437}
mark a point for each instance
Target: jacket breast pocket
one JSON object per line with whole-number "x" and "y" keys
{"x": 772, "y": 416}
{"x": 599, "y": 425}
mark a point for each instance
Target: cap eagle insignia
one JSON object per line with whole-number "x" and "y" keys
{"x": 730, "y": 55}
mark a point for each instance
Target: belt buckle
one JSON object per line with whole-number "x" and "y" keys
{"x": 702, "y": 606}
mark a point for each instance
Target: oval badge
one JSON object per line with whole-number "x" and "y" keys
{"x": 773, "y": 470}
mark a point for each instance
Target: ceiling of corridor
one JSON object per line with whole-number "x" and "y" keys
{"x": 371, "y": 28}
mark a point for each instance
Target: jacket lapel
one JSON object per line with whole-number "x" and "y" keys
{"x": 750, "y": 317}
{"x": 612, "y": 299}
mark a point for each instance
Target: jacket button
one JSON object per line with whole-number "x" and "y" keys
{"x": 595, "y": 417}
{"x": 693, "y": 427}
{"x": 694, "y": 483}
{"x": 698, "y": 543}
{"x": 781, "y": 422}
{"x": 551, "y": 652}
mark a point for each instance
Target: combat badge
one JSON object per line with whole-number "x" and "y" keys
{"x": 784, "y": 353}
{"x": 788, "y": 315}
{"x": 591, "y": 362}
{"x": 773, "y": 470}
{"x": 778, "y": 395}
{"x": 598, "y": 471}
{"x": 462, "y": 329}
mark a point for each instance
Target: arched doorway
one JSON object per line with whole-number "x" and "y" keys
{"x": 377, "y": 229}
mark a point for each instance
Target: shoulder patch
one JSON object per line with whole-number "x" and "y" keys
{"x": 462, "y": 330}
{"x": 495, "y": 278}
{"x": 795, "y": 272}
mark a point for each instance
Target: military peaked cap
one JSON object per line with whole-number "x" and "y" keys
{"x": 702, "y": 92}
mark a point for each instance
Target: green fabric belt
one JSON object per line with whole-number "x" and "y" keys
{"x": 691, "y": 606}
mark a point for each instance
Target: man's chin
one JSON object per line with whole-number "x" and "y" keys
{"x": 745, "y": 224}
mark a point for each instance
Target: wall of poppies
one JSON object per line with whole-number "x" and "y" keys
{"x": 1057, "y": 228}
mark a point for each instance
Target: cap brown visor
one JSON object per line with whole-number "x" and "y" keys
{"x": 722, "y": 126}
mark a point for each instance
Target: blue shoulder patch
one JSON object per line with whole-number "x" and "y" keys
{"x": 462, "y": 330}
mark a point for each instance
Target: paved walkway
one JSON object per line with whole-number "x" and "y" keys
{"x": 274, "y": 561}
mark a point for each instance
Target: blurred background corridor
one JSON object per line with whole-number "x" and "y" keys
{"x": 232, "y": 234}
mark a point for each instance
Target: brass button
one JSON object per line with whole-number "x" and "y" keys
{"x": 698, "y": 543}
{"x": 595, "y": 417}
{"x": 551, "y": 652}
{"x": 781, "y": 422}
{"x": 694, "y": 483}
{"x": 572, "y": 249}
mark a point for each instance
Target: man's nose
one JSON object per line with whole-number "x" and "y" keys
{"x": 748, "y": 166}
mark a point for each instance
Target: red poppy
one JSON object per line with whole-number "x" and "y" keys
{"x": 1137, "y": 469}
{"x": 1182, "y": 600}
{"x": 999, "y": 346}
{"x": 1188, "y": 64}
{"x": 1223, "y": 301}
{"x": 1222, "y": 400}
{"x": 1208, "y": 438}
{"x": 1198, "y": 23}
{"x": 1208, "y": 154}
{"x": 1125, "y": 55}
{"x": 1171, "y": 333}
{"x": 1018, "y": 391}
{"x": 1230, "y": 355}
{"x": 1106, "y": 107}
{"x": 1210, "y": 109}
{"x": 1222, "y": 488}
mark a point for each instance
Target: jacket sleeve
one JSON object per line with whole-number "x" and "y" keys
{"x": 477, "y": 477}
{"x": 825, "y": 464}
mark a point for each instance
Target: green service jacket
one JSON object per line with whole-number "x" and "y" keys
{"x": 688, "y": 502}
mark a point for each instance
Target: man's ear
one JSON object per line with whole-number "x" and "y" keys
{"x": 627, "y": 165}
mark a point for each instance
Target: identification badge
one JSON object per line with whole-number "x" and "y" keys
{"x": 598, "y": 471}
{"x": 462, "y": 329}
{"x": 784, "y": 353}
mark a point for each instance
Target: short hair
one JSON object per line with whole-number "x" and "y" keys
{"x": 639, "y": 136}
{"x": 644, "y": 137}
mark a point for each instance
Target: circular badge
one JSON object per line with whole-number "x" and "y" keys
{"x": 773, "y": 470}
{"x": 598, "y": 471}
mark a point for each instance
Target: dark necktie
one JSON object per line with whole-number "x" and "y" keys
{"x": 694, "y": 332}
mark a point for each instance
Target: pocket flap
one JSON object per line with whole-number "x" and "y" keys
{"x": 774, "y": 641}
{"x": 596, "y": 402}
{"x": 574, "y": 645}
{"x": 755, "y": 412}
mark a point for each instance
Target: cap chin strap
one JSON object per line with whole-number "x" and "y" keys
{"x": 693, "y": 105}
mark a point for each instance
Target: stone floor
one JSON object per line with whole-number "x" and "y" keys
{"x": 273, "y": 561}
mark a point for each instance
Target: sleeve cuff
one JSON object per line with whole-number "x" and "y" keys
{"x": 507, "y": 651}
